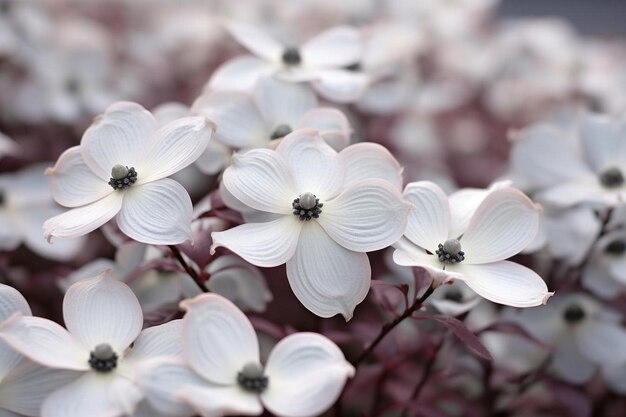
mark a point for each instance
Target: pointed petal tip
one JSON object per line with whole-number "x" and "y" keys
{"x": 546, "y": 297}
{"x": 49, "y": 171}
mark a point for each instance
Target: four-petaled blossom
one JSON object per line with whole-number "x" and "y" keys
{"x": 321, "y": 211}
{"x": 103, "y": 318}
{"x": 459, "y": 240}
{"x": 322, "y": 61}
{"x": 120, "y": 168}
{"x": 221, "y": 371}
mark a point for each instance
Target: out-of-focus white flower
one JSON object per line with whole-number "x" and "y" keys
{"x": 103, "y": 318}
{"x": 605, "y": 273}
{"x": 462, "y": 240}
{"x": 320, "y": 212}
{"x": 8, "y": 146}
{"x": 275, "y": 109}
{"x": 221, "y": 372}
{"x": 120, "y": 168}
{"x": 25, "y": 203}
{"x": 320, "y": 61}
{"x": 602, "y": 75}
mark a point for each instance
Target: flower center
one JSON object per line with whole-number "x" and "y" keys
{"x": 281, "y": 131}
{"x": 612, "y": 177}
{"x": 453, "y": 294}
{"x": 252, "y": 379}
{"x": 354, "y": 67}
{"x": 307, "y": 206}
{"x": 616, "y": 247}
{"x": 291, "y": 56}
{"x": 574, "y": 314}
{"x": 103, "y": 358}
{"x": 122, "y": 177}
{"x": 450, "y": 252}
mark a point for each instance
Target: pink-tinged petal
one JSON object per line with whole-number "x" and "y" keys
{"x": 340, "y": 86}
{"x": 102, "y": 310}
{"x": 238, "y": 119}
{"x": 332, "y": 124}
{"x": 570, "y": 364}
{"x": 429, "y": 224}
{"x": 157, "y": 213}
{"x": 45, "y": 342}
{"x": 160, "y": 379}
{"x": 504, "y": 223}
{"x": 505, "y": 283}
{"x": 315, "y": 165}
{"x": 283, "y": 102}
{"x": 602, "y": 138}
{"x": 266, "y": 244}
{"x": 239, "y": 74}
{"x": 12, "y": 301}
{"x": 117, "y": 137}
{"x": 338, "y": 47}
{"x": 368, "y": 216}
{"x": 93, "y": 394}
{"x": 10, "y": 235}
{"x": 215, "y": 400}
{"x": 327, "y": 278}
{"x": 602, "y": 343}
{"x": 218, "y": 339}
{"x": 82, "y": 220}
{"x": 72, "y": 183}
{"x": 24, "y": 390}
{"x": 173, "y": 147}
{"x": 162, "y": 340}
{"x": 262, "y": 180}
{"x": 306, "y": 366}
{"x": 255, "y": 40}
{"x": 366, "y": 160}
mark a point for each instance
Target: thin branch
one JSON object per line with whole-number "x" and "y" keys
{"x": 192, "y": 272}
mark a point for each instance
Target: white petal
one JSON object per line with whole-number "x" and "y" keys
{"x": 582, "y": 190}
{"x": 505, "y": 283}
{"x": 597, "y": 279}
{"x": 602, "y": 138}
{"x": 215, "y": 158}
{"x": 157, "y": 213}
{"x": 102, "y": 310}
{"x": 25, "y": 389}
{"x": 327, "y": 278}
{"x": 215, "y": 400}
{"x": 117, "y": 137}
{"x": 218, "y": 339}
{"x": 367, "y": 160}
{"x": 173, "y": 147}
{"x": 255, "y": 40}
{"x": 340, "y": 86}
{"x": 238, "y": 119}
{"x": 306, "y": 366}
{"x": 602, "y": 343}
{"x": 365, "y": 217}
{"x": 93, "y": 394}
{"x": 10, "y": 235}
{"x": 72, "y": 183}
{"x": 338, "y": 47}
{"x": 283, "y": 102}
{"x": 44, "y": 342}
{"x": 239, "y": 74}
{"x": 12, "y": 301}
{"x": 162, "y": 340}
{"x": 332, "y": 124}
{"x": 315, "y": 165}
{"x": 407, "y": 254}
{"x": 570, "y": 365}
{"x": 261, "y": 179}
{"x": 429, "y": 224}
{"x": 82, "y": 220}
{"x": 504, "y": 223}
{"x": 463, "y": 203}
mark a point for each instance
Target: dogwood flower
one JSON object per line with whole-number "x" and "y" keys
{"x": 605, "y": 273}
{"x": 222, "y": 374}
{"x": 320, "y": 212}
{"x": 120, "y": 168}
{"x": 320, "y": 61}
{"x": 452, "y": 245}
{"x": 275, "y": 109}
{"x": 103, "y": 318}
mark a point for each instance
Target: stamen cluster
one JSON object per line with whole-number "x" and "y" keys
{"x": 103, "y": 359}
{"x": 448, "y": 256}
{"x": 307, "y": 211}
{"x": 129, "y": 179}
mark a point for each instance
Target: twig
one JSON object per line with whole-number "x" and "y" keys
{"x": 192, "y": 272}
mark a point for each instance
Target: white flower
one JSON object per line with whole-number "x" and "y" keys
{"x": 221, "y": 373}
{"x": 320, "y": 211}
{"x": 320, "y": 61}
{"x": 103, "y": 318}
{"x": 605, "y": 273}
{"x": 8, "y": 146}
{"x": 460, "y": 239}
{"x": 275, "y": 109}
{"x": 25, "y": 203}
{"x": 120, "y": 168}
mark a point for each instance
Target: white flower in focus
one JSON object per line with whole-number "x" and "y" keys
{"x": 120, "y": 168}
{"x": 25, "y": 203}
{"x": 275, "y": 109}
{"x": 103, "y": 318}
{"x": 319, "y": 211}
{"x": 222, "y": 374}
{"x": 322, "y": 61}
{"x": 461, "y": 240}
